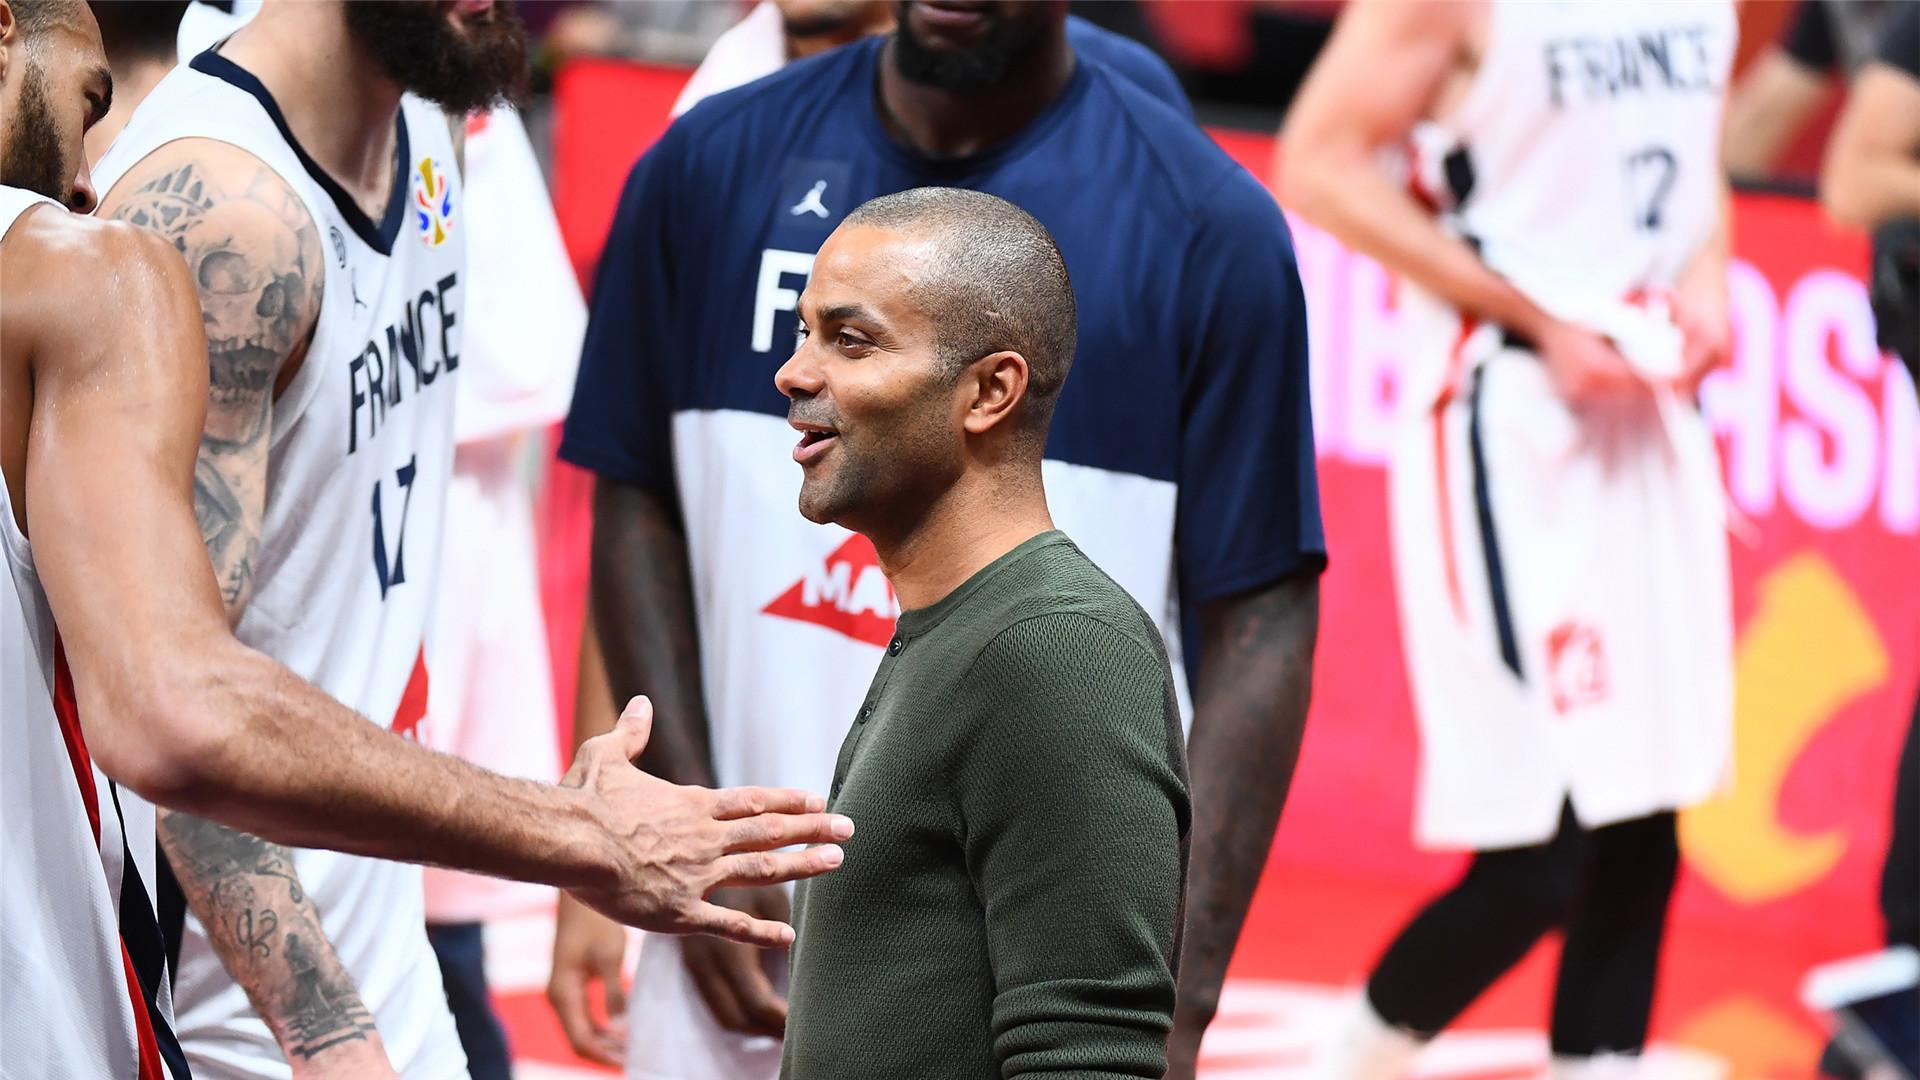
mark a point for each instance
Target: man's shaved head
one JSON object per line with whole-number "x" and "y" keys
{"x": 998, "y": 283}
{"x": 35, "y": 16}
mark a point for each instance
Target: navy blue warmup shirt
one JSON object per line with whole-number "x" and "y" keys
{"x": 1181, "y": 455}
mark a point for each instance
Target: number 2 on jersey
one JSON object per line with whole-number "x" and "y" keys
{"x": 404, "y": 477}
{"x": 1650, "y": 175}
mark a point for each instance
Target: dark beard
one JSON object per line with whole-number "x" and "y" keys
{"x": 33, "y": 160}
{"x": 461, "y": 70}
{"x": 978, "y": 68}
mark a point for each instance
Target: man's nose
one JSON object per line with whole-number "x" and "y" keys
{"x": 799, "y": 376}
{"x": 84, "y": 199}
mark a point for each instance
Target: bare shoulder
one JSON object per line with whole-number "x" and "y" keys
{"x": 242, "y": 231}
{"x": 70, "y": 277}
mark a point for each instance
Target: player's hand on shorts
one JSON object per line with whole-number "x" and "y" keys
{"x": 588, "y": 947}
{"x": 732, "y": 978}
{"x": 1584, "y": 365}
{"x": 671, "y": 845}
{"x": 1706, "y": 332}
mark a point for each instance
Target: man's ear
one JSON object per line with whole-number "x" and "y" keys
{"x": 9, "y": 38}
{"x": 998, "y": 386}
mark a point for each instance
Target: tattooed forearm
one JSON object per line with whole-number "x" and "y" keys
{"x": 256, "y": 259}
{"x": 267, "y": 934}
{"x": 643, "y": 609}
{"x": 221, "y": 518}
{"x": 1250, "y": 711}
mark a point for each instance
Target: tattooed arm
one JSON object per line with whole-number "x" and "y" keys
{"x": 101, "y": 418}
{"x": 1249, "y": 714}
{"x": 255, "y": 257}
{"x": 268, "y": 936}
{"x": 254, "y": 254}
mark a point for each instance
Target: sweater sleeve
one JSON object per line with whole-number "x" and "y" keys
{"x": 1073, "y": 800}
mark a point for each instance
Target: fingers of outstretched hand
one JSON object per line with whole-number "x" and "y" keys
{"x": 738, "y": 926}
{"x": 773, "y": 867}
{"x": 746, "y": 802}
{"x": 770, "y": 831}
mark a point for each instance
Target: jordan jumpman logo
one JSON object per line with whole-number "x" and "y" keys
{"x": 812, "y": 204}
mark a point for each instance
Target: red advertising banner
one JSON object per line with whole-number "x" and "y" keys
{"x": 1820, "y": 439}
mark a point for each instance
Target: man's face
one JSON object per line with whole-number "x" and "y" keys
{"x": 52, "y": 89}
{"x": 462, "y": 55}
{"x": 876, "y": 408}
{"x": 968, "y": 44}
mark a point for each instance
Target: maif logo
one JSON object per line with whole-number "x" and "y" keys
{"x": 432, "y": 203}
{"x": 848, "y": 593}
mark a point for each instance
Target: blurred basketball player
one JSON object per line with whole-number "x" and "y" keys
{"x": 102, "y": 409}
{"x": 1559, "y": 549}
{"x": 320, "y": 206}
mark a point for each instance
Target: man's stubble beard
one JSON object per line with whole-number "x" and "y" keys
{"x": 461, "y": 70}
{"x": 891, "y": 484}
{"x": 33, "y": 160}
{"x": 979, "y": 68}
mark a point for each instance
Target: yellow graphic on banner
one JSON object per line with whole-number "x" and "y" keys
{"x": 1808, "y": 650}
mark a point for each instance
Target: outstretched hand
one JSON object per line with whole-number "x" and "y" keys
{"x": 672, "y": 845}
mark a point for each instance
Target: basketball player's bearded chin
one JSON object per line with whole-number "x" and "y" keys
{"x": 33, "y": 160}
{"x": 460, "y": 63}
{"x": 967, "y": 70}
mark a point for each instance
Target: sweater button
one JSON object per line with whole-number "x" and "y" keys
{"x": 834, "y": 791}
{"x": 894, "y": 646}
{"x": 866, "y": 713}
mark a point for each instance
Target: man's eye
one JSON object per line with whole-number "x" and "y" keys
{"x": 849, "y": 342}
{"x": 799, "y": 334}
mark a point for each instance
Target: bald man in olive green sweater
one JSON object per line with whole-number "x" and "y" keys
{"x": 1011, "y": 904}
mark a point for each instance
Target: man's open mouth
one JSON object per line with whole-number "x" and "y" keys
{"x": 815, "y": 439}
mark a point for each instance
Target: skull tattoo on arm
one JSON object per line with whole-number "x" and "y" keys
{"x": 256, "y": 258}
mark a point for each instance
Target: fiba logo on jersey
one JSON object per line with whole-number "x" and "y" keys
{"x": 432, "y": 203}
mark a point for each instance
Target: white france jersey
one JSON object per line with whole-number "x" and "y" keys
{"x": 82, "y": 968}
{"x": 1583, "y": 158}
{"x": 361, "y": 451}
{"x": 1562, "y": 573}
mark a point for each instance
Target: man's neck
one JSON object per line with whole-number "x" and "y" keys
{"x": 337, "y": 101}
{"x": 952, "y": 124}
{"x": 959, "y": 535}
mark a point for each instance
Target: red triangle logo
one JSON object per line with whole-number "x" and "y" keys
{"x": 849, "y": 594}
